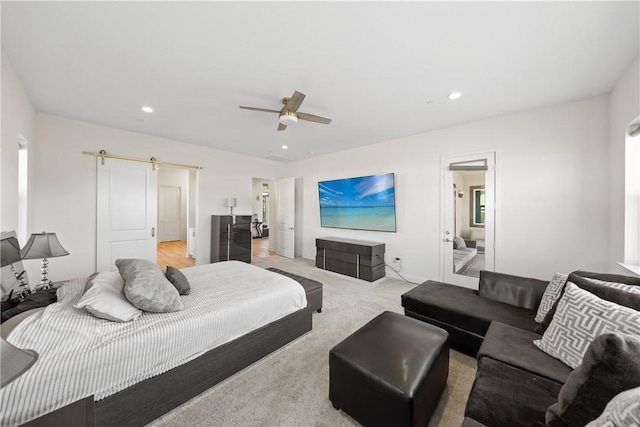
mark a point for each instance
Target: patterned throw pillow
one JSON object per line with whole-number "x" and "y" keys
{"x": 551, "y": 295}
{"x": 579, "y": 319}
{"x": 622, "y": 286}
{"x": 623, "y": 410}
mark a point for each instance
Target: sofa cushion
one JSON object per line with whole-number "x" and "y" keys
{"x": 505, "y": 396}
{"x": 610, "y": 366}
{"x": 463, "y": 308}
{"x": 514, "y": 290}
{"x": 606, "y": 277}
{"x": 515, "y": 347}
{"x": 580, "y": 318}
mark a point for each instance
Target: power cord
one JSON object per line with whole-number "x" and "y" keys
{"x": 398, "y": 273}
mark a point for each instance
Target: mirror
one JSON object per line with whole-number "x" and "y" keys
{"x": 477, "y": 206}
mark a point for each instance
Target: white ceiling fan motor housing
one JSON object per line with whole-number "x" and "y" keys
{"x": 288, "y": 118}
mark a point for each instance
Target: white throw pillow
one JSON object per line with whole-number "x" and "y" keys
{"x": 634, "y": 289}
{"x": 105, "y": 298}
{"x": 551, "y": 295}
{"x": 623, "y": 410}
{"x": 579, "y": 319}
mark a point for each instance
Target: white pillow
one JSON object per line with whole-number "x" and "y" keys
{"x": 622, "y": 410}
{"x": 634, "y": 289}
{"x": 580, "y": 318}
{"x": 551, "y": 295}
{"x": 105, "y": 298}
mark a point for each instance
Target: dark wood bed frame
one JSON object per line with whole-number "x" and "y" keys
{"x": 148, "y": 400}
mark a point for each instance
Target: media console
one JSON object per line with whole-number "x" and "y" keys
{"x": 355, "y": 258}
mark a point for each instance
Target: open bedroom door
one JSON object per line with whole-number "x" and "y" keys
{"x": 285, "y": 199}
{"x": 127, "y": 204}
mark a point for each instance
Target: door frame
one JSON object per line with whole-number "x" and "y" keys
{"x": 446, "y": 200}
{"x": 289, "y": 232}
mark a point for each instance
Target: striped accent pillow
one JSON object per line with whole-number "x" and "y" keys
{"x": 579, "y": 319}
{"x": 551, "y": 295}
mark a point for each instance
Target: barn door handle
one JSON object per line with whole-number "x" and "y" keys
{"x": 153, "y": 232}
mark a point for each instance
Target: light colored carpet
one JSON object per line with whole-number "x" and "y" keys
{"x": 290, "y": 387}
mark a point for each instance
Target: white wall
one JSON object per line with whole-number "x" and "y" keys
{"x": 176, "y": 177}
{"x": 65, "y": 200}
{"x": 624, "y": 107}
{"x": 18, "y": 118}
{"x": 552, "y": 175}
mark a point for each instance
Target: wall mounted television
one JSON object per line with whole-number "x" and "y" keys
{"x": 361, "y": 203}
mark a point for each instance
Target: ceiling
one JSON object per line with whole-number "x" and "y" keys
{"x": 380, "y": 70}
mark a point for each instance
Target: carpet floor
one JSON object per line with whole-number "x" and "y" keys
{"x": 290, "y": 387}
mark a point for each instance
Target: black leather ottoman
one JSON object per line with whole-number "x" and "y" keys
{"x": 390, "y": 372}
{"x": 313, "y": 288}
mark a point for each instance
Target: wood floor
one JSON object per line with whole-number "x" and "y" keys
{"x": 261, "y": 248}
{"x": 175, "y": 253}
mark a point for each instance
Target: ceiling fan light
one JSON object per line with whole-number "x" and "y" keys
{"x": 288, "y": 118}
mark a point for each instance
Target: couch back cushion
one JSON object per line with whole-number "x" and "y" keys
{"x": 515, "y": 290}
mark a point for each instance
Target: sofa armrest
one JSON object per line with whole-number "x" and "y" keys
{"x": 515, "y": 290}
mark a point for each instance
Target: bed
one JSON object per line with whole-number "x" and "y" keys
{"x": 137, "y": 371}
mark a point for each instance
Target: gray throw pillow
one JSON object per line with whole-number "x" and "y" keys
{"x": 610, "y": 366}
{"x": 146, "y": 286}
{"x": 178, "y": 280}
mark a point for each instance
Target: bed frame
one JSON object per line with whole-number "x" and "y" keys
{"x": 148, "y": 400}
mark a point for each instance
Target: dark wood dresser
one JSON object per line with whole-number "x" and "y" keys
{"x": 356, "y": 258}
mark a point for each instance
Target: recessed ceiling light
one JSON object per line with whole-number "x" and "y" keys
{"x": 147, "y": 109}
{"x": 284, "y": 147}
{"x": 311, "y": 152}
{"x": 454, "y": 95}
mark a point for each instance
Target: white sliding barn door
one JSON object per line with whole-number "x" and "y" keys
{"x": 285, "y": 194}
{"x": 127, "y": 212}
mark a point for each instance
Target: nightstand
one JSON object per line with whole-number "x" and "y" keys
{"x": 77, "y": 414}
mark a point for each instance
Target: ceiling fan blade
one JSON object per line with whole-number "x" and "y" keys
{"x": 266, "y": 110}
{"x": 295, "y": 101}
{"x": 313, "y": 118}
{"x": 281, "y": 126}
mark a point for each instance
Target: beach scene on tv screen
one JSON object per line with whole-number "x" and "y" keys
{"x": 363, "y": 203}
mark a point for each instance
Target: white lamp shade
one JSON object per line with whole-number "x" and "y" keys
{"x": 232, "y": 202}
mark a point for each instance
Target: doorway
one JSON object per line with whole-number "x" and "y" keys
{"x": 468, "y": 218}
{"x": 262, "y": 215}
{"x": 176, "y": 217}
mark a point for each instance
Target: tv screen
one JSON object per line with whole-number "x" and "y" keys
{"x": 362, "y": 203}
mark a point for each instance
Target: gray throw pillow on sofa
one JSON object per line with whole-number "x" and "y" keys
{"x": 146, "y": 286}
{"x": 610, "y": 366}
{"x": 178, "y": 280}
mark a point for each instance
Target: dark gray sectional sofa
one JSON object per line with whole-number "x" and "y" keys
{"x": 516, "y": 382}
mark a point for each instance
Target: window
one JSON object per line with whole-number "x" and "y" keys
{"x": 632, "y": 198}
{"x": 23, "y": 178}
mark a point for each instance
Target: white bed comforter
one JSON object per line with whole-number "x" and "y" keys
{"x": 80, "y": 355}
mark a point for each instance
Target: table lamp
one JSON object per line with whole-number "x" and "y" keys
{"x": 15, "y": 362}
{"x": 10, "y": 254}
{"x": 231, "y": 203}
{"x": 43, "y": 245}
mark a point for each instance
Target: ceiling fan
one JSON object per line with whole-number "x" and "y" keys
{"x": 289, "y": 113}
